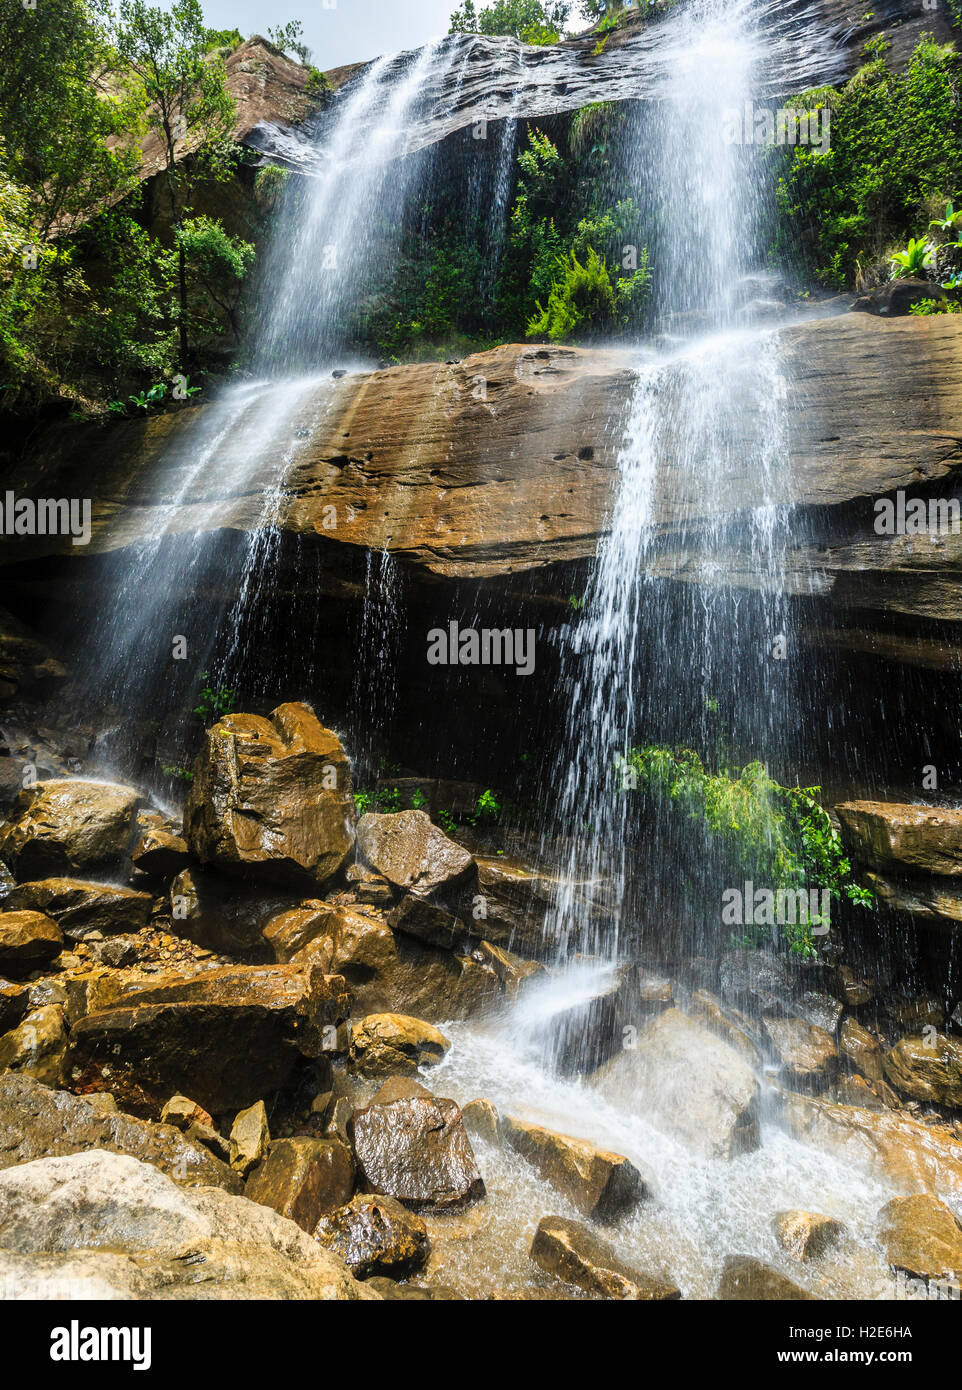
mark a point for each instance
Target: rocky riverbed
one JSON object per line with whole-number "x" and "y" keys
{"x": 270, "y": 1049}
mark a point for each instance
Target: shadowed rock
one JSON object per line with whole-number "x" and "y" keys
{"x": 574, "y": 1253}
{"x": 36, "y": 1122}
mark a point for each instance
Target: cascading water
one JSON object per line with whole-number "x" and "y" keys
{"x": 713, "y": 368}
{"x": 700, "y": 196}
{"x": 335, "y": 234}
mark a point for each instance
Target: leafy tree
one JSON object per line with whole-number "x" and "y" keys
{"x": 287, "y": 37}
{"x": 531, "y": 21}
{"x": 217, "y": 265}
{"x": 60, "y": 104}
{"x": 188, "y": 107}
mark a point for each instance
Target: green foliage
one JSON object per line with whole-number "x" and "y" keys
{"x": 217, "y": 265}
{"x": 896, "y": 144}
{"x": 228, "y": 39}
{"x": 447, "y": 822}
{"x": 287, "y": 37}
{"x": 185, "y": 95}
{"x": 60, "y": 105}
{"x": 925, "y": 307}
{"x": 531, "y": 21}
{"x": 777, "y": 836}
{"x": 384, "y": 801}
{"x": 213, "y": 701}
{"x": 177, "y": 771}
{"x": 914, "y": 259}
{"x": 583, "y": 299}
{"x": 418, "y": 800}
{"x": 487, "y": 808}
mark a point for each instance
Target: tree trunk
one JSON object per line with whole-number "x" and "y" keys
{"x": 182, "y": 326}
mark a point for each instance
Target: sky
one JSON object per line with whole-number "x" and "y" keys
{"x": 339, "y": 31}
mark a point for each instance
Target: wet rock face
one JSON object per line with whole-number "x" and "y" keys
{"x": 80, "y": 907}
{"x": 927, "y": 1068}
{"x": 574, "y": 1253}
{"x": 190, "y": 1034}
{"x": 220, "y": 914}
{"x": 27, "y": 941}
{"x": 108, "y": 1226}
{"x": 806, "y": 1235}
{"x": 807, "y": 1053}
{"x": 272, "y": 798}
{"x": 689, "y": 1083}
{"x": 746, "y": 1278}
{"x": 386, "y": 1044}
{"x": 922, "y": 1237}
{"x": 918, "y": 1157}
{"x": 64, "y": 827}
{"x": 37, "y": 1122}
{"x": 411, "y": 852}
{"x": 37, "y": 1047}
{"x": 920, "y": 839}
{"x": 600, "y": 1184}
{"x": 376, "y": 1236}
{"x": 303, "y": 1179}
{"x": 415, "y": 1148}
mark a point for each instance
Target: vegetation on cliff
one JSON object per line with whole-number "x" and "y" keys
{"x": 895, "y": 158}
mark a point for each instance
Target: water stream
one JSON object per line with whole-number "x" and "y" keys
{"x": 711, "y": 367}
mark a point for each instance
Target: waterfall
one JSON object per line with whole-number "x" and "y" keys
{"x": 169, "y": 614}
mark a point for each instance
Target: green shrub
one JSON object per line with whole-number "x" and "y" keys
{"x": 896, "y": 144}
{"x": 775, "y": 835}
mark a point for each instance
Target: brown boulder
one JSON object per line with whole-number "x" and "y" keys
{"x": 27, "y": 941}
{"x": 79, "y": 907}
{"x": 161, "y": 853}
{"x": 886, "y": 835}
{"x": 37, "y": 1047}
{"x": 182, "y": 1112}
{"x": 397, "y": 973}
{"x": 689, "y": 1084}
{"x": 412, "y": 853}
{"x": 427, "y": 922}
{"x": 922, "y": 1237}
{"x": 386, "y": 1043}
{"x": 807, "y": 1053}
{"x": 805, "y": 1235}
{"x": 303, "y": 1179}
{"x": 37, "y": 1122}
{"x": 272, "y": 798}
{"x": 575, "y": 1254}
{"x": 860, "y": 1049}
{"x": 415, "y": 1149}
{"x": 290, "y": 931}
{"x": 728, "y": 1023}
{"x": 481, "y": 1119}
{"x": 375, "y": 1236}
{"x": 249, "y": 1138}
{"x": 228, "y": 1037}
{"x": 600, "y": 1184}
{"x": 14, "y": 1003}
{"x": 927, "y": 1068}
{"x": 744, "y": 1278}
{"x": 65, "y": 826}
{"x": 918, "y": 1157}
